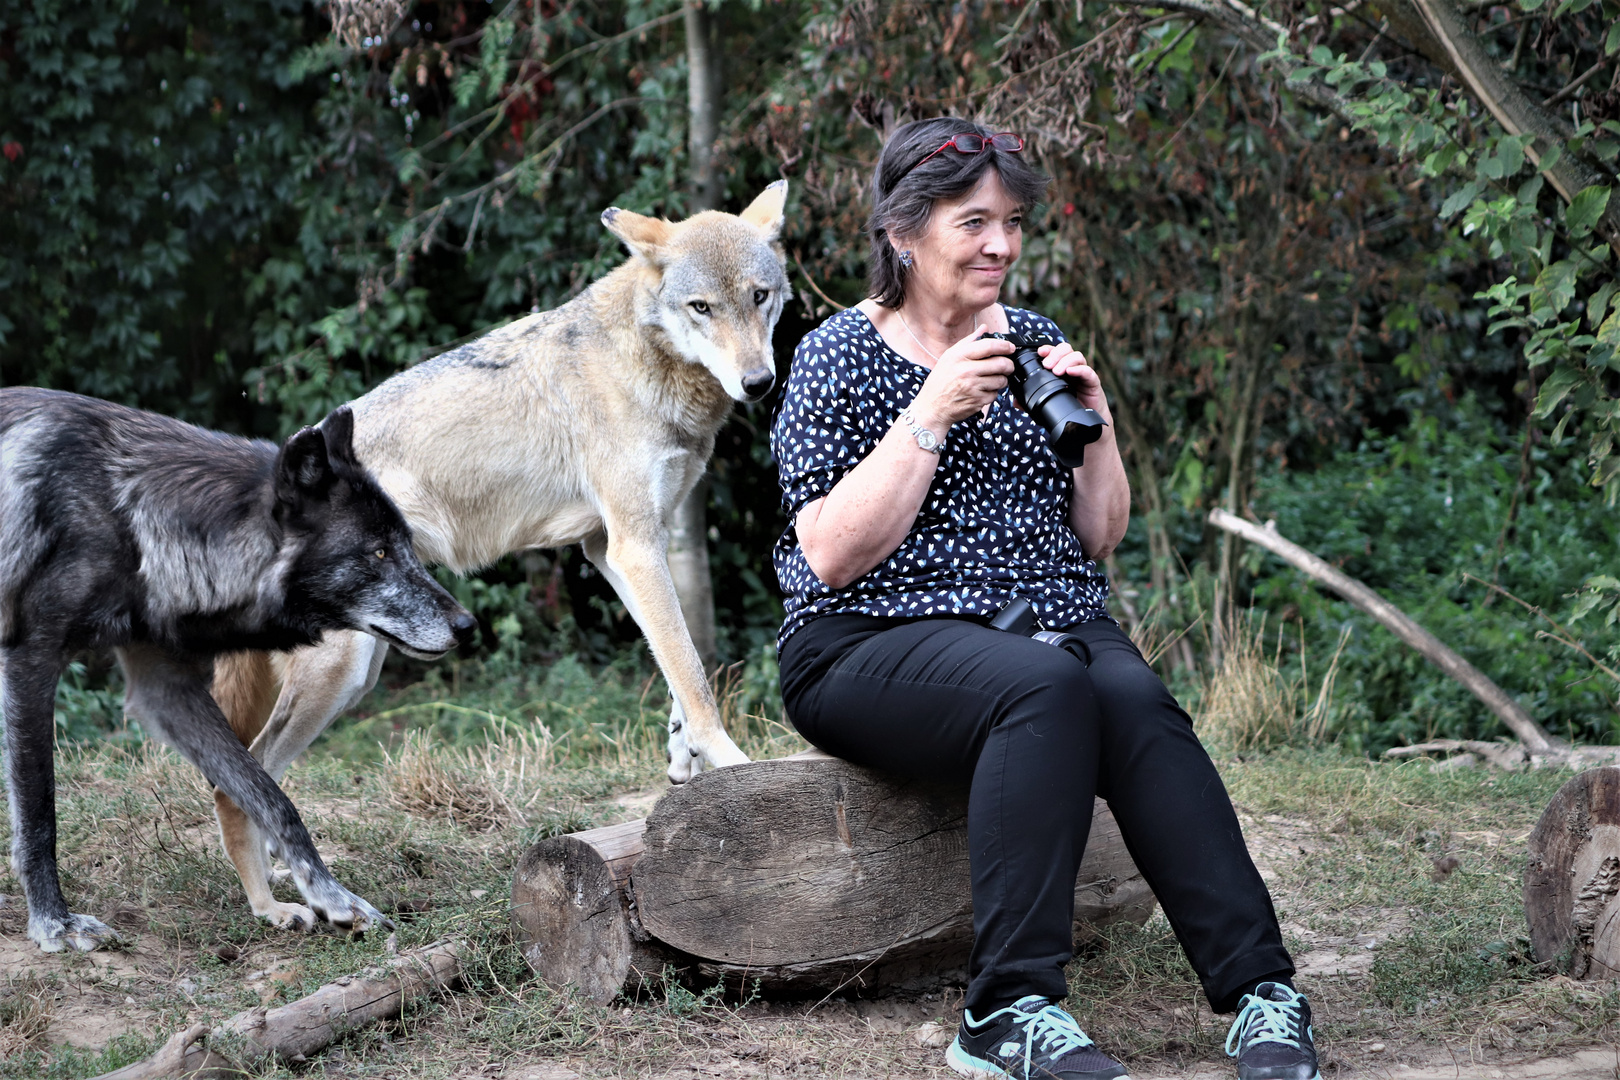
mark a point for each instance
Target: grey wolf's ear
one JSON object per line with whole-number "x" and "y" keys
{"x": 643, "y": 235}
{"x": 302, "y": 467}
{"x": 765, "y": 212}
{"x": 338, "y": 431}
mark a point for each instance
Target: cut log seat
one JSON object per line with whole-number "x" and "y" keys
{"x": 805, "y": 875}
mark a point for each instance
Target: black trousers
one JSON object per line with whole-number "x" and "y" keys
{"x": 1036, "y": 733}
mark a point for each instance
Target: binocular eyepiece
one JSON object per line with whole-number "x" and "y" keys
{"x": 1070, "y": 427}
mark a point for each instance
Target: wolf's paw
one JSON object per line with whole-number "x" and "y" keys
{"x": 78, "y": 932}
{"x": 687, "y": 759}
{"x": 287, "y": 916}
{"x": 346, "y": 911}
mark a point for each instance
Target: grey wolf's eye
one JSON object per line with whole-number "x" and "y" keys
{"x": 700, "y": 307}
{"x": 381, "y": 553}
{"x": 761, "y": 295}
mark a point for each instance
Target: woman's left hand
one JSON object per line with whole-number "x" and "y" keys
{"x": 1064, "y": 359}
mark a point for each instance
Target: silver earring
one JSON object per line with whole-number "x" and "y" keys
{"x": 905, "y": 259}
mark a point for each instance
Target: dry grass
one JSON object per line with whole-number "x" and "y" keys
{"x": 25, "y": 1013}
{"x": 1249, "y": 703}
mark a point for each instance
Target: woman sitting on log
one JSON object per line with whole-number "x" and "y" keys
{"x": 921, "y": 500}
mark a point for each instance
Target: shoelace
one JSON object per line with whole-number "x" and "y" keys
{"x": 1263, "y": 1020}
{"x": 1057, "y": 1031}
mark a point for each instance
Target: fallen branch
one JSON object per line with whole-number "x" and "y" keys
{"x": 292, "y": 1032}
{"x": 1512, "y": 756}
{"x": 1510, "y": 712}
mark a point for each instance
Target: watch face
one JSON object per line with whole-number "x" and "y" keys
{"x": 926, "y": 439}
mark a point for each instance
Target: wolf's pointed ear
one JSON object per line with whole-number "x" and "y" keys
{"x": 643, "y": 235}
{"x": 765, "y": 212}
{"x": 302, "y": 467}
{"x": 338, "y": 430}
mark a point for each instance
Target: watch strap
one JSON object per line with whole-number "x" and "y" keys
{"x": 926, "y": 439}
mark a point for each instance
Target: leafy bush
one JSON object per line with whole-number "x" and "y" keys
{"x": 1426, "y": 519}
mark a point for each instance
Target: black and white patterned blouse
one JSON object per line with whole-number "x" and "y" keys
{"x": 996, "y": 520}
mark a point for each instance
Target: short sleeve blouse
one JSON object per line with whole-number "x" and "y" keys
{"x": 996, "y": 519}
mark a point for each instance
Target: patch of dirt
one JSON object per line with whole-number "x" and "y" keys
{"x": 93, "y": 997}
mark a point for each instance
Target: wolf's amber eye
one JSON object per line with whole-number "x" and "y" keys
{"x": 381, "y": 553}
{"x": 761, "y": 295}
{"x": 700, "y": 307}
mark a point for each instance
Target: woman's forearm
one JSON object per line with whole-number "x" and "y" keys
{"x": 1101, "y": 508}
{"x": 867, "y": 514}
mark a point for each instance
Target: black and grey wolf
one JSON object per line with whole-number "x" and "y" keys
{"x": 171, "y": 545}
{"x": 586, "y": 424}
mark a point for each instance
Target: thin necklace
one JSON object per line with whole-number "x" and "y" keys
{"x": 918, "y": 340}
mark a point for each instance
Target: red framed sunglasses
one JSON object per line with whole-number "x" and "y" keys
{"x": 973, "y": 143}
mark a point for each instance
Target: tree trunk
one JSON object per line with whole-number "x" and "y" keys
{"x": 805, "y": 876}
{"x": 1510, "y": 712}
{"x": 1572, "y": 882}
{"x": 688, "y": 529}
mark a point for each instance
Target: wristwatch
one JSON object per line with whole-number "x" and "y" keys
{"x": 925, "y": 438}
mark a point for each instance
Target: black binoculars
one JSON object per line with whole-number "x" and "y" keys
{"x": 1070, "y": 426}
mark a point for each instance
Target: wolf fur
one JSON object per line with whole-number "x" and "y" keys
{"x": 586, "y": 424}
{"x": 171, "y": 545}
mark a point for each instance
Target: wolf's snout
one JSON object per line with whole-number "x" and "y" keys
{"x": 756, "y": 384}
{"x": 464, "y": 626}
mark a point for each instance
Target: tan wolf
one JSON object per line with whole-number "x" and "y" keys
{"x": 586, "y": 424}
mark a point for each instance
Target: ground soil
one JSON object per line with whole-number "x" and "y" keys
{"x": 95, "y": 998}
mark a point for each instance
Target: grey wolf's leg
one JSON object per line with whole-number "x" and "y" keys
{"x": 317, "y": 685}
{"x": 169, "y": 695}
{"x": 28, "y": 678}
{"x": 636, "y": 564}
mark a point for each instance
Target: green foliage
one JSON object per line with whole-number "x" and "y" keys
{"x": 1410, "y": 517}
{"x": 149, "y": 164}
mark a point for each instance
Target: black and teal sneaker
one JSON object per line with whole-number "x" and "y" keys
{"x": 1031, "y": 1039}
{"x": 1271, "y": 1037}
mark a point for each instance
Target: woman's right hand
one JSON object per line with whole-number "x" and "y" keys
{"x": 967, "y": 377}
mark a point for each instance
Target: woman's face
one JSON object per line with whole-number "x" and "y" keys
{"x": 971, "y": 242}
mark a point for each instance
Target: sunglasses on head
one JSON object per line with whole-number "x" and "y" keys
{"x": 973, "y": 143}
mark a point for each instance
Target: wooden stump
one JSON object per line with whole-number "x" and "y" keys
{"x": 805, "y": 875}
{"x": 1573, "y": 878}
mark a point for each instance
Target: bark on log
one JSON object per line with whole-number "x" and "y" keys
{"x": 292, "y": 1032}
{"x": 1572, "y": 882}
{"x": 1510, "y": 712}
{"x": 805, "y": 875}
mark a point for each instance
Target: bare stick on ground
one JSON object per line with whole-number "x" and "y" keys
{"x": 807, "y": 875}
{"x": 1510, "y": 712}
{"x": 294, "y": 1031}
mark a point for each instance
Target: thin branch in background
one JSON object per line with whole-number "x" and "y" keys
{"x": 1575, "y": 84}
{"x": 812, "y": 283}
{"x": 1559, "y": 632}
{"x": 1165, "y": 149}
{"x": 472, "y": 230}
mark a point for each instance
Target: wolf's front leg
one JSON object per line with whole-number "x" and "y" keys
{"x": 28, "y": 700}
{"x": 169, "y": 694}
{"x": 316, "y": 684}
{"x": 246, "y": 849}
{"x": 636, "y": 565}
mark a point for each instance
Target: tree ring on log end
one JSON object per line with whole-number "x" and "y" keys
{"x": 564, "y": 895}
{"x": 1572, "y": 881}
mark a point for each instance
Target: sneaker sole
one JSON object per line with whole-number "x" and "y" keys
{"x": 979, "y": 1069}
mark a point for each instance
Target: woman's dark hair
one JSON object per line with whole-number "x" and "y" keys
{"x": 905, "y": 189}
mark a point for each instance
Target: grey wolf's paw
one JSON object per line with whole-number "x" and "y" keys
{"x": 78, "y": 932}
{"x": 343, "y": 909}
{"x": 287, "y": 916}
